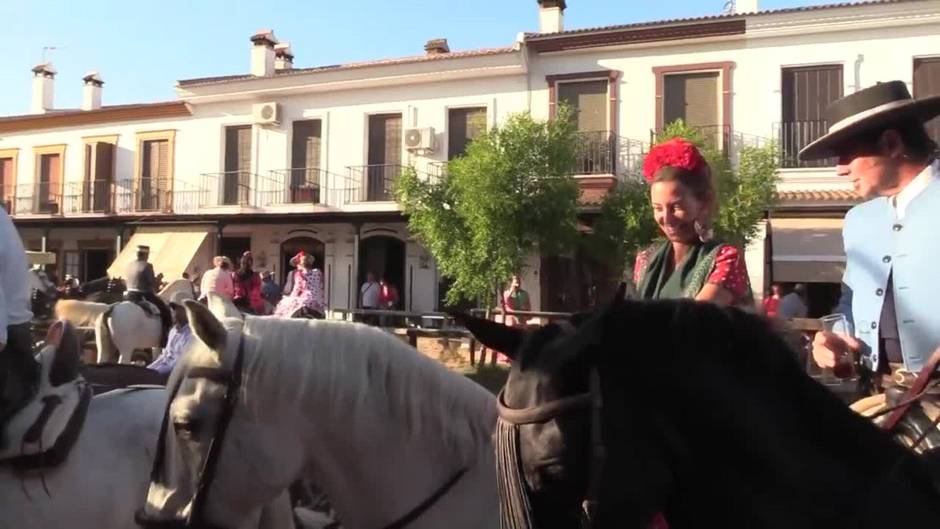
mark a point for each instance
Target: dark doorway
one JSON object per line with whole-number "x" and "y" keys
{"x": 574, "y": 283}
{"x": 96, "y": 264}
{"x": 234, "y": 247}
{"x": 384, "y": 256}
{"x": 291, "y": 247}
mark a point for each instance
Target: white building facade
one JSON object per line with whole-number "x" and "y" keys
{"x": 282, "y": 158}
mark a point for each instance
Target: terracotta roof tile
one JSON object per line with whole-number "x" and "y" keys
{"x": 538, "y": 36}
{"x": 105, "y": 114}
{"x": 818, "y": 196}
{"x": 351, "y": 66}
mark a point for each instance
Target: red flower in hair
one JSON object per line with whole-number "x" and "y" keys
{"x": 676, "y": 152}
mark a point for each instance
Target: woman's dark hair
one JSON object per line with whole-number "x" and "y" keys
{"x": 244, "y": 267}
{"x": 698, "y": 182}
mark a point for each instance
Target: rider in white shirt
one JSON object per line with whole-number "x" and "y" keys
{"x": 18, "y": 368}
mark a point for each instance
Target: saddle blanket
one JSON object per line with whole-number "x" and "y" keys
{"x": 50, "y": 423}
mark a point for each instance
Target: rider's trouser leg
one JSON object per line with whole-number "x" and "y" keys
{"x": 19, "y": 373}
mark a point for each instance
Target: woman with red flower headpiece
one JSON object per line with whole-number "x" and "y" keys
{"x": 688, "y": 264}
{"x": 247, "y": 286}
{"x": 307, "y": 292}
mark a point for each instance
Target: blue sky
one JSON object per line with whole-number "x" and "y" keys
{"x": 142, "y": 52}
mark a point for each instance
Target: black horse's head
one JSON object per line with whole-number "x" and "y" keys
{"x": 557, "y": 456}
{"x": 549, "y": 390}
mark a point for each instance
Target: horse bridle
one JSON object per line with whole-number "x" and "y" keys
{"x": 593, "y": 401}
{"x": 233, "y": 381}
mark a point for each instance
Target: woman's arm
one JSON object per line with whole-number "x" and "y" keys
{"x": 728, "y": 281}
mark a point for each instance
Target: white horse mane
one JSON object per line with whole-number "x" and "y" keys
{"x": 359, "y": 370}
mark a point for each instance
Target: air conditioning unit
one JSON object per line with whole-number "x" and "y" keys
{"x": 419, "y": 139}
{"x": 266, "y": 113}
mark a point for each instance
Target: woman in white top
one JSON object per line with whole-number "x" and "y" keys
{"x": 219, "y": 279}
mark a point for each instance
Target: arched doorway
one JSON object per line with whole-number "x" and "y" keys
{"x": 384, "y": 256}
{"x": 291, "y": 247}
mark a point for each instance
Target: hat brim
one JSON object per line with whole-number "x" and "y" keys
{"x": 827, "y": 146}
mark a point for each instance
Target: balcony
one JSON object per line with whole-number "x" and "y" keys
{"x": 372, "y": 183}
{"x": 155, "y": 195}
{"x": 235, "y": 188}
{"x": 87, "y": 197}
{"x": 596, "y": 153}
{"x": 794, "y": 135}
{"x": 37, "y": 199}
{"x": 300, "y": 185}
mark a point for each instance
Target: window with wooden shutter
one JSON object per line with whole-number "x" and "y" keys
{"x": 384, "y": 155}
{"x": 103, "y": 177}
{"x": 50, "y": 183}
{"x": 237, "y": 177}
{"x": 7, "y": 183}
{"x": 805, "y": 94}
{"x": 305, "y": 161}
{"x": 927, "y": 83}
{"x": 463, "y": 126}
{"x": 153, "y": 186}
{"x": 588, "y": 100}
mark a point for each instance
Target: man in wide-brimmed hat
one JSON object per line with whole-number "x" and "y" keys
{"x": 891, "y": 294}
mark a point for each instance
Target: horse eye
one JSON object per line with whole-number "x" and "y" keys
{"x": 185, "y": 427}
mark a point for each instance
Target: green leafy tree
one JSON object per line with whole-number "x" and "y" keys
{"x": 510, "y": 195}
{"x": 625, "y": 224}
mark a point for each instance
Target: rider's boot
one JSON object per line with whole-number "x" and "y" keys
{"x": 19, "y": 375}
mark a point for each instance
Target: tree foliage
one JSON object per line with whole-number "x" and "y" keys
{"x": 744, "y": 192}
{"x": 510, "y": 195}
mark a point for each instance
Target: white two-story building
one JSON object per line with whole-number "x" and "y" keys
{"x": 282, "y": 158}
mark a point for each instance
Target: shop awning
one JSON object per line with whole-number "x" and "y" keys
{"x": 807, "y": 250}
{"x": 171, "y": 252}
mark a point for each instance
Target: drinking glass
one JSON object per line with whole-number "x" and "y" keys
{"x": 845, "y": 363}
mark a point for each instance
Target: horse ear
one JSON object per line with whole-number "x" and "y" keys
{"x": 207, "y": 328}
{"x": 620, "y": 295}
{"x": 67, "y": 353}
{"x": 222, "y": 307}
{"x": 492, "y": 334}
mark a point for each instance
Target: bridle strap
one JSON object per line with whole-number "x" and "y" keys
{"x": 598, "y": 451}
{"x": 429, "y": 502}
{"x": 915, "y": 392}
{"x": 542, "y": 412}
{"x": 207, "y": 474}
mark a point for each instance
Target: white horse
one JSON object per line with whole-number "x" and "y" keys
{"x": 103, "y": 481}
{"x": 124, "y": 327}
{"x": 387, "y": 433}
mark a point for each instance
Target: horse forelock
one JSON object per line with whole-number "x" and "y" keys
{"x": 352, "y": 370}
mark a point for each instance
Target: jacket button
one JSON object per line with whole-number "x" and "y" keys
{"x": 886, "y": 259}
{"x": 897, "y": 227}
{"x": 874, "y": 325}
{"x": 880, "y": 292}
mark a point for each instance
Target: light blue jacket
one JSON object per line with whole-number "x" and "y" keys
{"x": 877, "y": 244}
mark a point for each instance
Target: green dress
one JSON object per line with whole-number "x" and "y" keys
{"x": 688, "y": 277}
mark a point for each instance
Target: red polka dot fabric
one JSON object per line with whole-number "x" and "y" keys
{"x": 730, "y": 272}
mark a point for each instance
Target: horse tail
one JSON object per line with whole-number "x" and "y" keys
{"x": 103, "y": 339}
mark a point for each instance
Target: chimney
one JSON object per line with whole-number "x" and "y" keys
{"x": 43, "y": 84}
{"x": 91, "y": 93}
{"x": 283, "y": 57}
{"x": 551, "y": 16}
{"x": 262, "y": 53}
{"x": 437, "y": 47}
{"x": 745, "y": 6}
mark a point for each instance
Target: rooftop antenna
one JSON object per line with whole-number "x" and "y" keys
{"x": 48, "y": 48}
{"x": 728, "y": 8}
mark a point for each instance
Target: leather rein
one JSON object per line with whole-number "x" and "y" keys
{"x": 233, "y": 381}
{"x": 591, "y": 401}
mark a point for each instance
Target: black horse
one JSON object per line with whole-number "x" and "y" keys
{"x": 101, "y": 290}
{"x": 706, "y": 419}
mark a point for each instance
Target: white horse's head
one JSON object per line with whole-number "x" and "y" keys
{"x": 266, "y": 455}
{"x": 349, "y": 406}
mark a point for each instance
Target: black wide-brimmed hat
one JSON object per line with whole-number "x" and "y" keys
{"x": 867, "y": 110}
